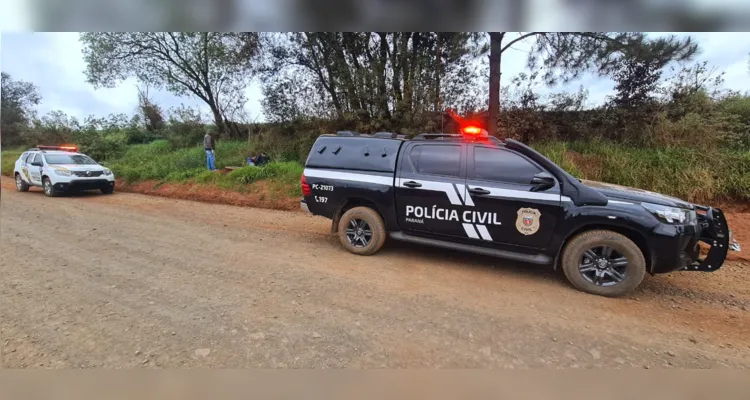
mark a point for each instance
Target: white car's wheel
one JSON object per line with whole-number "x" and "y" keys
{"x": 21, "y": 185}
{"x": 49, "y": 190}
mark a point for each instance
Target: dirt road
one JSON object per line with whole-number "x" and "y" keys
{"x": 128, "y": 280}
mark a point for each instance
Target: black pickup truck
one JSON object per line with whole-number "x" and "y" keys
{"x": 476, "y": 193}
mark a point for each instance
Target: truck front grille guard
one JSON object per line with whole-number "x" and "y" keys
{"x": 714, "y": 232}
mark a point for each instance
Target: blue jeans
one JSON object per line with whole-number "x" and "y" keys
{"x": 210, "y": 160}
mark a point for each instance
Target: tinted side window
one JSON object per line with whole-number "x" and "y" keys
{"x": 29, "y": 157}
{"x": 502, "y": 165}
{"x": 437, "y": 159}
{"x": 38, "y": 158}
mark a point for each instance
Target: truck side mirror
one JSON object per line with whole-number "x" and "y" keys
{"x": 542, "y": 181}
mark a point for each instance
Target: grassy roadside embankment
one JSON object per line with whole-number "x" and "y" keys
{"x": 693, "y": 174}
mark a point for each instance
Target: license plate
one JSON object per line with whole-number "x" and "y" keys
{"x": 733, "y": 244}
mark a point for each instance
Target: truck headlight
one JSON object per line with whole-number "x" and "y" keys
{"x": 107, "y": 172}
{"x": 63, "y": 172}
{"x": 671, "y": 215}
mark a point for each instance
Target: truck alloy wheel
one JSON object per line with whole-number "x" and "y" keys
{"x": 603, "y": 266}
{"x": 603, "y": 262}
{"x": 358, "y": 233}
{"x": 361, "y": 231}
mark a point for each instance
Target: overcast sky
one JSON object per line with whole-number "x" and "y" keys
{"x": 53, "y": 61}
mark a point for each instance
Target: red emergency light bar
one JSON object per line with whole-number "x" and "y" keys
{"x": 466, "y": 127}
{"x": 473, "y": 130}
{"x": 62, "y": 148}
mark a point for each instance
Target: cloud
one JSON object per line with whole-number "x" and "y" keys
{"x": 54, "y": 62}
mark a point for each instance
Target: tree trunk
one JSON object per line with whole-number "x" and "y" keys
{"x": 496, "y": 39}
{"x": 405, "y": 70}
{"x": 342, "y": 70}
{"x": 396, "y": 77}
{"x": 437, "y": 71}
{"x": 382, "y": 88}
{"x": 321, "y": 64}
{"x": 218, "y": 119}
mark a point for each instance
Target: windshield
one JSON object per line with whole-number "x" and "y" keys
{"x": 68, "y": 159}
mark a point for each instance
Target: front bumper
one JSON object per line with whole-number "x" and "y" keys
{"x": 715, "y": 233}
{"x": 83, "y": 184}
{"x": 679, "y": 247}
{"x": 683, "y": 247}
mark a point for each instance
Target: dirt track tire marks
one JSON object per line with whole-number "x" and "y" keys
{"x": 146, "y": 282}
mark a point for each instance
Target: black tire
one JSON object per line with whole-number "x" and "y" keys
{"x": 108, "y": 190}
{"x": 353, "y": 234}
{"x": 49, "y": 190}
{"x": 583, "y": 266}
{"x": 21, "y": 185}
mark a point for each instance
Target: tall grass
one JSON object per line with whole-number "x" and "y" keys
{"x": 281, "y": 175}
{"x": 8, "y": 161}
{"x": 162, "y": 162}
{"x": 159, "y": 160}
{"x": 693, "y": 174}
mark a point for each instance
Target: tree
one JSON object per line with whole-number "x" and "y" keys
{"x": 17, "y": 99}
{"x": 692, "y": 89}
{"x": 292, "y": 96}
{"x": 213, "y": 66}
{"x": 152, "y": 113}
{"x": 379, "y": 79}
{"x": 692, "y": 79}
{"x": 565, "y": 55}
{"x": 55, "y": 127}
{"x": 496, "y": 40}
{"x": 635, "y": 82}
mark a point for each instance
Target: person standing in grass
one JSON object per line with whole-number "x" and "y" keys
{"x": 209, "y": 144}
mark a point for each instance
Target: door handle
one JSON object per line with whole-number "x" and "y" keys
{"x": 479, "y": 191}
{"x": 412, "y": 184}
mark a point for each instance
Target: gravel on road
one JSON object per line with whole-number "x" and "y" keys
{"x": 133, "y": 281}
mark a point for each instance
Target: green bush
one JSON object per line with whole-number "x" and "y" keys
{"x": 736, "y": 105}
{"x": 161, "y": 160}
{"x": 183, "y": 175}
{"x": 185, "y": 134}
{"x": 291, "y": 141}
{"x": 285, "y": 171}
{"x": 558, "y": 153}
{"x": 8, "y": 159}
{"x": 692, "y": 174}
{"x": 100, "y": 146}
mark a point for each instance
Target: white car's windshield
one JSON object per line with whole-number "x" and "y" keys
{"x": 68, "y": 159}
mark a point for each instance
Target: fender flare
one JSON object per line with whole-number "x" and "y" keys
{"x": 629, "y": 230}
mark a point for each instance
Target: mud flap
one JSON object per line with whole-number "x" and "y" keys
{"x": 715, "y": 233}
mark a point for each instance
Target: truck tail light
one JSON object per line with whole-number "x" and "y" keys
{"x": 305, "y": 187}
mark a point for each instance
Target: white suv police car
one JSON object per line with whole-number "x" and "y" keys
{"x": 60, "y": 169}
